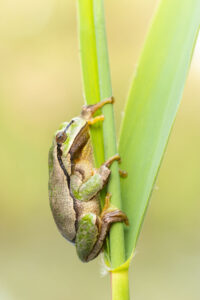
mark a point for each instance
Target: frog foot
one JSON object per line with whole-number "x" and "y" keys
{"x": 106, "y": 204}
{"x": 111, "y": 215}
{"x": 122, "y": 173}
{"x": 89, "y": 110}
{"x": 109, "y": 162}
{"x": 95, "y": 120}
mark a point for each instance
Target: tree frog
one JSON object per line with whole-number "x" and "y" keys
{"x": 74, "y": 185}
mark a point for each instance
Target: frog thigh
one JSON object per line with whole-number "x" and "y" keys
{"x": 86, "y": 236}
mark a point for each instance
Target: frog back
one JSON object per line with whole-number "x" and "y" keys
{"x": 61, "y": 202}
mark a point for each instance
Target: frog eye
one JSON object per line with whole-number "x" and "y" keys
{"x": 61, "y": 137}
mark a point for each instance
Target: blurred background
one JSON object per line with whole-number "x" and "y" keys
{"x": 40, "y": 86}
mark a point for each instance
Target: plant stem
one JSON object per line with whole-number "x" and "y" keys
{"x": 88, "y": 55}
{"x": 120, "y": 285}
{"x": 117, "y": 252}
{"x": 97, "y": 85}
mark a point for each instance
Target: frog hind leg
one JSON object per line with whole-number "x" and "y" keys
{"x": 108, "y": 216}
{"x": 86, "y": 236}
{"x": 85, "y": 191}
{"x": 92, "y": 232}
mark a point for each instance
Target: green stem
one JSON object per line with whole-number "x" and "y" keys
{"x": 120, "y": 285}
{"x": 88, "y": 55}
{"x": 97, "y": 85}
{"x": 117, "y": 252}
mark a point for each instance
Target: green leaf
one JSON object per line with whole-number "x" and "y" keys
{"x": 152, "y": 105}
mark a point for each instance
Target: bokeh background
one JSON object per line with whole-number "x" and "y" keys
{"x": 40, "y": 86}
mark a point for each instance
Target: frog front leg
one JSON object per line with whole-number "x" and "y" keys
{"x": 92, "y": 231}
{"x": 89, "y": 110}
{"x": 85, "y": 191}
